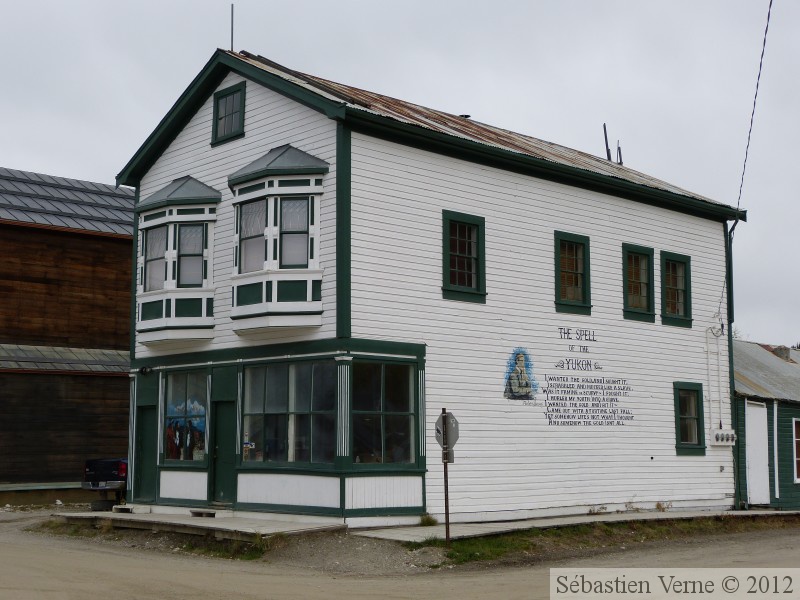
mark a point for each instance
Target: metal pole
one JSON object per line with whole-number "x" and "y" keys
{"x": 445, "y": 456}
{"x": 231, "y": 27}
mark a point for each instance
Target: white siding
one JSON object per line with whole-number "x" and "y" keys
{"x": 184, "y": 485}
{"x": 292, "y": 490}
{"x": 382, "y": 492}
{"x": 509, "y": 461}
{"x": 271, "y": 120}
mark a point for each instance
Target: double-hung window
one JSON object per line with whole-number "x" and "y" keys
{"x": 463, "y": 257}
{"x": 252, "y": 243}
{"x": 572, "y": 275}
{"x": 155, "y": 264}
{"x": 676, "y": 290}
{"x": 294, "y": 232}
{"x": 637, "y": 277}
{"x": 228, "y": 121}
{"x": 689, "y": 423}
{"x": 191, "y": 265}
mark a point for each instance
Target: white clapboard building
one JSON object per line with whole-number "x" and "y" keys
{"x": 322, "y": 269}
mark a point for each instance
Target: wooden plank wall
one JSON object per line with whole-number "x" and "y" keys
{"x": 50, "y": 424}
{"x": 64, "y": 289}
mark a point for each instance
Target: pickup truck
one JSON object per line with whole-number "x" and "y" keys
{"x": 106, "y": 475}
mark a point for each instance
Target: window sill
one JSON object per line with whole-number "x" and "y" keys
{"x": 575, "y": 309}
{"x": 690, "y": 450}
{"x": 639, "y": 315}
{"x": 676, "y": 321}
{"x": 228, "y": 138}
{"x": 463, "y": 295}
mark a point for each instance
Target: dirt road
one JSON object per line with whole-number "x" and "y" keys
{"x": 38, "y": 567}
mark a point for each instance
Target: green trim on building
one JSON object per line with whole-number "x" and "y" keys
{"x": 152, "y": 310}
{"x": 348, "y": 346}
{"x": 343, "y": 232}
{"x": 292, "y": 291}
{"x": 238, "y": 132}
{"x": 452, "y": 291}
{"x": 647, "y": 315}
{"x": 684, "y": 320}
{"x": 251, "y": 293}
{"x": 575, "y": 307}
{"x": 188, "y": 307}
{"x": 685, "y": 448}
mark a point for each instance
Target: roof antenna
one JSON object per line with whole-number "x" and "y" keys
{"x": 231, "y": 26}
{"x": 619, "y": 154}
{"x": 608, "y": 150}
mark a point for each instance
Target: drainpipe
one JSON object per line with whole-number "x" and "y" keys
{"x": 737, "y": 448}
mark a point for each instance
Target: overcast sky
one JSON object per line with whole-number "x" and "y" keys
{"x": 85, "y": 82}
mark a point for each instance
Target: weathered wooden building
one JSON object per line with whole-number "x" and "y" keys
{"x": 64, "y": 327}
{"x": 768, "y": 407}
{"x": 321, "y": 269}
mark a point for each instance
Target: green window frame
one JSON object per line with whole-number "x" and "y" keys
{"x": 190, "y": 241}
{"x": 185, "y": 412}
{"x": 676, "y": 289}
{"x": 573, "y": 293}
{"x": 295, "y": 213}
{"x": 637, "y": 283}
{"x": 384, "y": 414}
{"x": 289, "y": 413}
{"x": 154, "y": 244}
{"x": 463, "y": 257}
{"x": 252, "y": 225}
{"x": 689, "y": 422}
{"x": 228, "y": 117}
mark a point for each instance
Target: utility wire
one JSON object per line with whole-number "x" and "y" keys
{"x": 755, "y": 98}
{"x": 747, "y": 147}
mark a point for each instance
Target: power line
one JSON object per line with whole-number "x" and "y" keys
{"x": 753, "y": 113}
{"x": 746, "y": 151}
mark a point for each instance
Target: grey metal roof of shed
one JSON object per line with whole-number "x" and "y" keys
{"x": 45, "y": 200}
{"x": 283, "y": 159}
{"x": 54, "y": 358}
{"x": 759, "y": 373}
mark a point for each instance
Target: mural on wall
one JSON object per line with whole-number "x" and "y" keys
{"x": 575, "y": 398}
{"x": 520, "y": 382}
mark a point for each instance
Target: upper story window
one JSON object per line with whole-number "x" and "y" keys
{"x": 286, "y": 221}
{"x": 676, "y": 290}
{"x": 191, "y": 261}
{"x": 572, "y": 275}
{"x": 463, "y": 257}
{"x": 155, "y": 264}
{"x": 637, "y": 277}
{"x": 252, "y": 233}
{"x": 228, "y": 114}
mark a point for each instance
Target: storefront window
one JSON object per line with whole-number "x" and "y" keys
{"x": 290, "y": 413}
{"x": 185, "y": 416}
{"x": 383, "y": 413}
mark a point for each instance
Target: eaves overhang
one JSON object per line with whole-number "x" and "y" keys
{"x": 425, "y": 139}
{"x": 201, "y": 87}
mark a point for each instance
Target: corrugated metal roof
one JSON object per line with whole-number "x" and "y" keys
{"x": 759, "y": 373}
{"x": 54, "y": 358}
{"x": 40, "y": 199}
{"x": 461, "y": 127}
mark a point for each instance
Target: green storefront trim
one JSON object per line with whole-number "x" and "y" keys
{"x": 343, "y": 231}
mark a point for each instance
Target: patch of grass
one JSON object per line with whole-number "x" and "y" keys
{"x": 60, "y": 527}
{"x": 231, "y": 549}
{"x": 535, "y": 545}
{"x": 427, "y": 520}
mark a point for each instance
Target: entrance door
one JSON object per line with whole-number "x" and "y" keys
{"x": 757, "y": 453}
{"x": 223, "y": 460}
{"x": 144, "y": 481}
